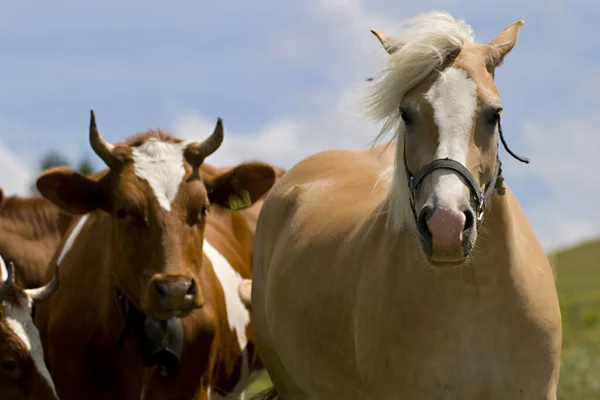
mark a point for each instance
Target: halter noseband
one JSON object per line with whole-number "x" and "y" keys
{"x": 480, "y": 199}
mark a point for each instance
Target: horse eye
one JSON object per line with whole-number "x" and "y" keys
{"x": 204, "y": 210}
{"x": 405, "y": 117}
{"x": 121, "y": 213}
{"x": 495, "y": 117}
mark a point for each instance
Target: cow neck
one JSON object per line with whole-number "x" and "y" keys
{"x": 160, "y": 342}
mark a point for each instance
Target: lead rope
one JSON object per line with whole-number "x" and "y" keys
{"x": 500, "y": 180}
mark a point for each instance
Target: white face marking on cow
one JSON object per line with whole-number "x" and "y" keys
{"x": 453, "y": 98}
{"x": 161, "y": 165}
{"x": 71, "y": 239}
{"x": 18, "y": 318}
{"x": 237, "y": 315}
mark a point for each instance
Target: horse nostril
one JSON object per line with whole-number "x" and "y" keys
{"x": 469, "y": 220}
{"x": 424, "y": 215}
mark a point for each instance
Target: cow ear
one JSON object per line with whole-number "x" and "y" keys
{"x": 240, "y": 187}
{"x": 71, "y": 191}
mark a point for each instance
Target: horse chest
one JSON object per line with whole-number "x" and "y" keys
{"x": 479, "y": 347}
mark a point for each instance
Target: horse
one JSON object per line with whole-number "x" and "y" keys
{"x": 409, "y": 270}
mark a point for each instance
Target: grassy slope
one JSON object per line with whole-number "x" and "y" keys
{"x": 577, "y": 272}
{"x": 578, "y": 281}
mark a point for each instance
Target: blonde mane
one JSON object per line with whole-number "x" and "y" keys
{"x": 422, "y": 46}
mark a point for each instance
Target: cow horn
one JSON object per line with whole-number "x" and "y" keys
{"x": 44, "y": 292}
{"x": 101, "y": 147}
{"x": 195, "y": 153}
{"x": 7, "y": 287}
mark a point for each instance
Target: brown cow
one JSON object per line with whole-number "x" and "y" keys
{"x": 30, "y": 231}
{"x": 23, "y": 374}
{"x": 151, "y": 272}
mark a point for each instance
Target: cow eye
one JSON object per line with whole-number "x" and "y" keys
{"x": 9, "y": 364}
{"x": 204, "y": 210}
{"x": 121, "y": 213}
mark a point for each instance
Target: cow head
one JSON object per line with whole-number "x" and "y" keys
{"x": 158, "y": 204}
{"x": 23, "y": 373}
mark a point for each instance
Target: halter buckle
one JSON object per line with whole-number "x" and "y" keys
{"x": 480, "y": 210}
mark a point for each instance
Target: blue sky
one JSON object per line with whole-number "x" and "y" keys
{"x": 287, "y": 77}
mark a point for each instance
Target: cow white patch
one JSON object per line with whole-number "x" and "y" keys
{"x": 3, "y": 270}
{"x": 161, "y": 165}
{"x": 453, "y": 98}
{"x": 237, "y": 315}
{"x": 71, "y": 239}
{"x": 18, "y": 318}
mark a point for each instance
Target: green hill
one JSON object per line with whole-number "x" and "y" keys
{"x": 577, "y": 272}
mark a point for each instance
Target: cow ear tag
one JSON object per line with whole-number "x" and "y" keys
{"x": 240, "y": 201}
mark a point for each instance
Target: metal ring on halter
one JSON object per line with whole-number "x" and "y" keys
{"x": 480, "y": 210}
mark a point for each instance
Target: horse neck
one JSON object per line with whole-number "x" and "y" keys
{"x": 498, "y": 251}
{"x": 506, "y": 235}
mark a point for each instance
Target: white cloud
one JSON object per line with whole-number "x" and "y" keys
{"x": 284, "y": 142}
{"x": 297, "y": 74}
{"x": 562, "y": 148}
{"x": 15, "y": 176}
{"x": 564, "y": 154}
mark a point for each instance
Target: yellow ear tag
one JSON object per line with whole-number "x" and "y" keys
{"x": 241, "y": 201}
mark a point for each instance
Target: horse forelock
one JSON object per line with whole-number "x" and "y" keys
{"x": 424, "y": 45}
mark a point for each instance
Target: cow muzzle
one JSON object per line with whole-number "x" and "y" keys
{"x": 172, "y": 296}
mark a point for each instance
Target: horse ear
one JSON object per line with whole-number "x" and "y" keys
{"x": 502, "y": 44}
{"x": 389, "y": 43}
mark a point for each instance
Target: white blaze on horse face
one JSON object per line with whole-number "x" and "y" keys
{"x": 18, "y": 318}
{"x": 161, "y": 165}
{"x": 453, "y": 98}
{"x": 237, "y": 314}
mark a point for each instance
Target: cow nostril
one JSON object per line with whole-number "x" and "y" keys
{"x": 469, "y": 220}
{"x": 161, "y": 288}
{"x": 192, "y": 289}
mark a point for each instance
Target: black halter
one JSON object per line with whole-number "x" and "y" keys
{"x": 477, "y": 197}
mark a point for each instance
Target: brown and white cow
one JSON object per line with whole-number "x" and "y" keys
{"x": 31, "y": 228}
{"x": 23, "y": 374}
{"x": 150, "y": 272}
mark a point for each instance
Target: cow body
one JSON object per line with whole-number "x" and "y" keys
{"x": 83, "y": 326}
{"x": 160, "y": 242}
{"x": 30, "y": 231}
{"x": 23, "y": 374}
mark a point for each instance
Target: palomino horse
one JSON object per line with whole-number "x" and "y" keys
{"x": 23, "y": 374}
{"x": 416, "y": 278}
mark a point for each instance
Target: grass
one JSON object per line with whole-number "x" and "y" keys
{"x": 577, "y": 272}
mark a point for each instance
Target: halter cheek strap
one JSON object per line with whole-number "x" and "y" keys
{"x": 477, "y": 197}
